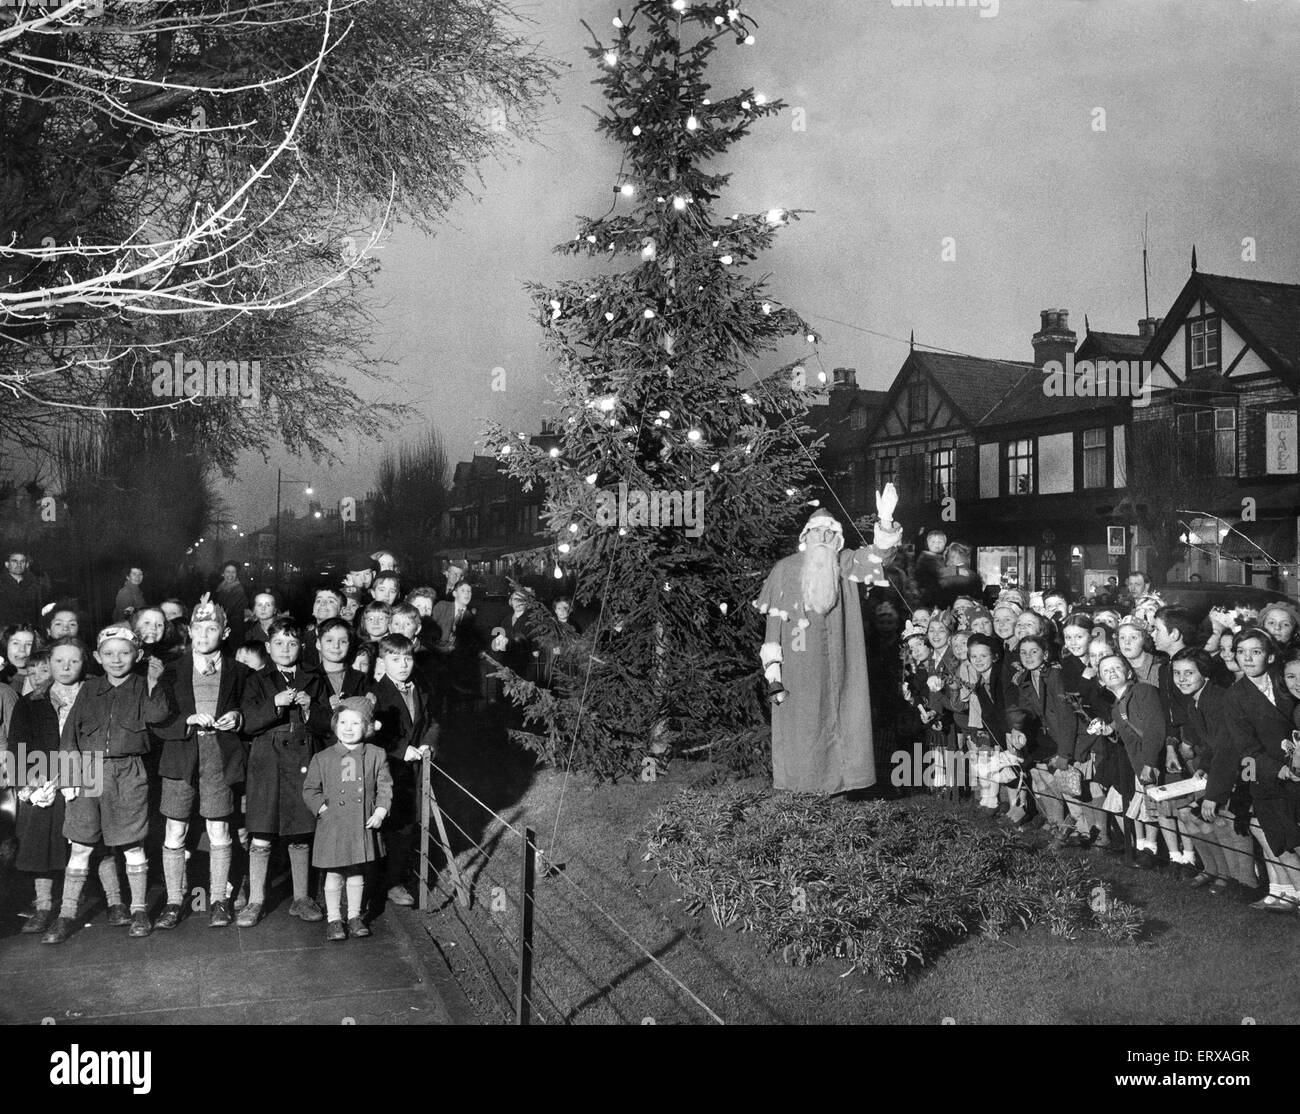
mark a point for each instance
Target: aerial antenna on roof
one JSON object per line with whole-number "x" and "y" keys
{"x": 1146, "y": 292}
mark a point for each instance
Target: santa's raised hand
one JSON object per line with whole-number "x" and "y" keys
{"x": 886, "y": 502}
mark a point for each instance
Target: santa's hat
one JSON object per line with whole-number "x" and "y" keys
{"x": 822, "y": 519}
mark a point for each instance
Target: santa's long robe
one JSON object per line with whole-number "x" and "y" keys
{"x": 821, "y": 732}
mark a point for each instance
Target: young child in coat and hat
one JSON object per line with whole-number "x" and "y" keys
{"x": 350, "y": 791}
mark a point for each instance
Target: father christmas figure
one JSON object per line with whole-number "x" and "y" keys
{"x": 815, "y": 657}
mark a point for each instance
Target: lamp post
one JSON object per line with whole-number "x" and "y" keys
{"x": 280, "y": 479}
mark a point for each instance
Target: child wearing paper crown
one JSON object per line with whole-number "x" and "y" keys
{"x": 350, "y": 791}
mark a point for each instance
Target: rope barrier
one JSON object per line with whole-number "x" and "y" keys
{"x": 1087, "y": 803}
{"x": 539, "y": 914}
{"x": 542, "y": 857}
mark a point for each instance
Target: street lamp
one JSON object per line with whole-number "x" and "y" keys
{"x": 280, "y": 479}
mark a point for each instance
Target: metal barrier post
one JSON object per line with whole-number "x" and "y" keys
{"x": 524, "y": 991}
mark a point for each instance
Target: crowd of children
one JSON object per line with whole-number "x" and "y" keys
{"x": 1073, "y": 720}
{"x": 307, "y": 735}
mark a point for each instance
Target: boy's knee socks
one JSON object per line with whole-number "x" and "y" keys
{"x": 109, "y": 879}
{"x": 259, "y": 858}
{"x": 174, "y": 874}
{"x": 298, "y": 866}
{"x": 73, "y": 880}
{"x": 219, "y": 858}
{"x": 137, "y": 877}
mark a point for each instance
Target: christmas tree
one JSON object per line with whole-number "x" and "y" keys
{"x": 678, "y": 475}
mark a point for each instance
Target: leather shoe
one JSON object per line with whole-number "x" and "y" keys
{"x": 169, "y": 918}
{"x": 1202, "y": 879}
{"x": 249, "y": 915}
{"x": 1274, "y": 904}
{"x": 140, "y": 926}
{"x": 335, "y": 931}
{"x": 1146, "y": 859}
{"x": 399, "y": 896}
{"x": 119, "y": 916}
{"x": 357, "y": 927}
{"x": 1217, "y": 888}
{"x": 39, "y": 921}
{"x": 219, "y": 915}
{"x": 59, "y": 931}
{"x": 305, "y": 909}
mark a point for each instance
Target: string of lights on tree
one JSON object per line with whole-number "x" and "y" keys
{"x": 633, "y": 409}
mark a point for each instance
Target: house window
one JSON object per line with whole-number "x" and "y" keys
{"x": 918, "y": 403}
{"x": 887, "y": 470}
{"x": 1020, "y": 467}
{"x": 941, "y": 475}
{"x": 1209, "y": 440}
{"x": 1094, "y": 458}
{"x": 1047, "y": 570}
{"x": 1204, "y": 338}
{"x": 858, "y": 419}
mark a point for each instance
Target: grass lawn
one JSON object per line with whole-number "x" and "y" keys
{"x": 1201, "y": 960}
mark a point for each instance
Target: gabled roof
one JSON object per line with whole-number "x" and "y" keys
{"x": 1027, "y": 401}
{"x": 832, "y": 418}
{"x": 971, "y": 385}
{"x": 1112, "y": 346}
{"x": 974, "y": 385}
{"x": 1266, "y": 314}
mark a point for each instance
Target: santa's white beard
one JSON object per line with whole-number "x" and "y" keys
{"x": 820, "y": 580}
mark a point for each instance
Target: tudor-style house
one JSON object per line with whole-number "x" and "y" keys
{"x": 1050, "y": 487}
{"x": 1227, "y": 377}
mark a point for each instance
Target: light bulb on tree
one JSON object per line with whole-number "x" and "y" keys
{"x": 611, "y": 59}
{"x": 692, "y": 123}
{"x": 627, "y": 189}
{"x": 679, "y": 203}
{"x": 564, "y": 547}
{"x": 694, "y": 436}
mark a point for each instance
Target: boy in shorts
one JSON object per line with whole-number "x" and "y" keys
{"x": 203, "y": 761}
{"x": 108, "y": 728}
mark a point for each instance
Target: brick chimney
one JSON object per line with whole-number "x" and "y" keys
{"x": 845, "y": 378}
{"x": 1147, "y": 326}
{"x": 1055, "y": 338}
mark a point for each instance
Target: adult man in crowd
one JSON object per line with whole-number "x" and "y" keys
{"x": 456, "y": 641}
{"x": 20, "y": 595}
{"x": 130, "y": 598}
{"x": 1136, "y": 585}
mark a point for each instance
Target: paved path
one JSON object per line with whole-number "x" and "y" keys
{"x": 281, "y": 972}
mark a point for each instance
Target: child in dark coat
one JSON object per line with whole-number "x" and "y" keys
{"x": 287, "y": 713}
{"x": 37, "y": 720}
{"x": 407, "y": 732}
{"x": 350, "y": 791}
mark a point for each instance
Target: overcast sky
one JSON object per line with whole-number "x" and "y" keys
{"x": 921, "y": 123}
